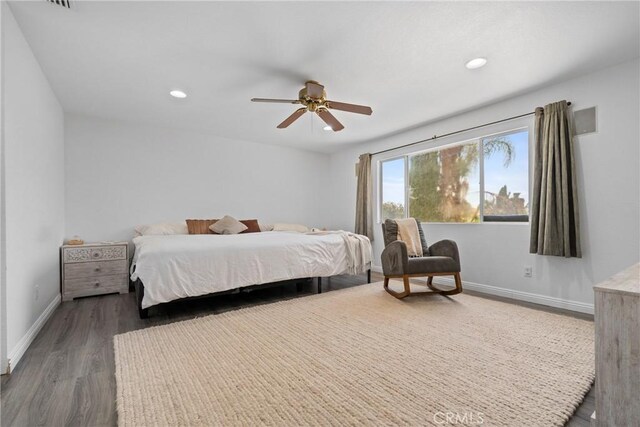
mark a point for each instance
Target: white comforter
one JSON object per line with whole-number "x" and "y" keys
{"x": 180, "y": 266}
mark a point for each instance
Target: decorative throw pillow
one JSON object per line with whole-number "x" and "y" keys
{"x": 200, "y": 226}
{"x": 228, "y": 225}
{"x": 290, "y": 227}
{"x": 252, "y": 225}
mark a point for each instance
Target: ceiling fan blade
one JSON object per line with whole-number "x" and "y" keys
{"x": 292, "y": 118}
{"x": 282, "y": 101}
{"x": 314, "y": 90}
{"x": 352, "y": 108}
{"x": 330, "y": 119}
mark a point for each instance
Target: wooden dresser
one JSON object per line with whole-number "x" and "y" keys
{"x": 94, "y": 269}
{"x": 617, "y": 316}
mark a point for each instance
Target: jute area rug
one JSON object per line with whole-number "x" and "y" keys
{"x": 358, "y": 357}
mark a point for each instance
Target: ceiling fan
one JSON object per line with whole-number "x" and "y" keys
{"x": 314, "y": 98}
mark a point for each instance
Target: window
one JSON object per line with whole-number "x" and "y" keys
{"x": 485, "y": 179}
{"x": 444, "y": 185}
{"x": 506, "y": 177}
{"x": 392, "y": 189}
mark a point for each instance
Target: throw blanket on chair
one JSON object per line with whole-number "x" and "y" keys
{"x": 408, "y": 233}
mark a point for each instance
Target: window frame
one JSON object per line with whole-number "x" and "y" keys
{"x": 479, "y": 138}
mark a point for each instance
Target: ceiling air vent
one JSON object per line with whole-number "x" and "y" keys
{"x": 63, "y": 3}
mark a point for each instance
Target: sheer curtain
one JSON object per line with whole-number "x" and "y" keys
{"x": 364, "y": 224}
{"x": 555, "y": 223}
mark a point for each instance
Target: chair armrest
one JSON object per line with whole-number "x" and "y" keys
{"x": 447, "y": 248}
{"x": 394, "y": 258}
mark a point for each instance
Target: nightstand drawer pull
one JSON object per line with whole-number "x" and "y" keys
{"x": 96, "y": 284}
{"x": 97, "y": 269}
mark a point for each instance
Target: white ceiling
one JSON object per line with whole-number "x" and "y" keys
{"x": 406, "y": 60}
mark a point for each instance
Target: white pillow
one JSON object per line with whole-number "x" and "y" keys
{"x": 290, "y": 227}
{"x": 227, "y": 225}
{"x": 162, "y": 229}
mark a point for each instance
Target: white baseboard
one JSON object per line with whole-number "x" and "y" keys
{"x": 18, "y": 351}
{"x": 580, "y": 307}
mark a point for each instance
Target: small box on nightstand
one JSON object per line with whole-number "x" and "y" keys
{"x": 94, "y": 269}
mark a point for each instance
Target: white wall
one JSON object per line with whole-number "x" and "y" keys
{"x": 119, "y": 175}
{"x": 609, "y": 191}
{"x": 3, "y": 241}
{"x": 34, "y": 189}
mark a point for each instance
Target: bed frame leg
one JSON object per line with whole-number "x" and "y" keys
{"x": 369, "y": 276}
{"x": 142, "y": 312}
{"x": 319, "y": 285}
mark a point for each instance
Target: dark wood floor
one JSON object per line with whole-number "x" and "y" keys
{"x": 66, "y": 377}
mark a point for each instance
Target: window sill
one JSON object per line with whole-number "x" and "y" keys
{"x": 472, "y": 223}
{"x": 479, "y": 223}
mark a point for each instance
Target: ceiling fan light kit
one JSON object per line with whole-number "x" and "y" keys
{"x": 313, "y": 97}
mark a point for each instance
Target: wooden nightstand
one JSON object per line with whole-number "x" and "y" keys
{"x": 94, "y": 269}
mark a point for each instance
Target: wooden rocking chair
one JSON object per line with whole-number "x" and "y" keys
{"x": 440, "y": 259}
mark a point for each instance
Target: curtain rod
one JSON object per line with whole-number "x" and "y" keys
{"x": 434, "y": 137}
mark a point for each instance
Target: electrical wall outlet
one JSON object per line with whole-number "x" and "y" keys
{"x": 528, "y": 271}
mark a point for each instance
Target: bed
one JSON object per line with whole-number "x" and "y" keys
{"x": 173, "y": 267}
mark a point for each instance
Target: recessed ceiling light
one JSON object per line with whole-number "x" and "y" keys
{"x": 327, "y": 128}
{"x": 476, "y": 63}
{"x": 178, "y": 94}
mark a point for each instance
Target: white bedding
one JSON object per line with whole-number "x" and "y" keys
{"x": 180, "y": 266}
